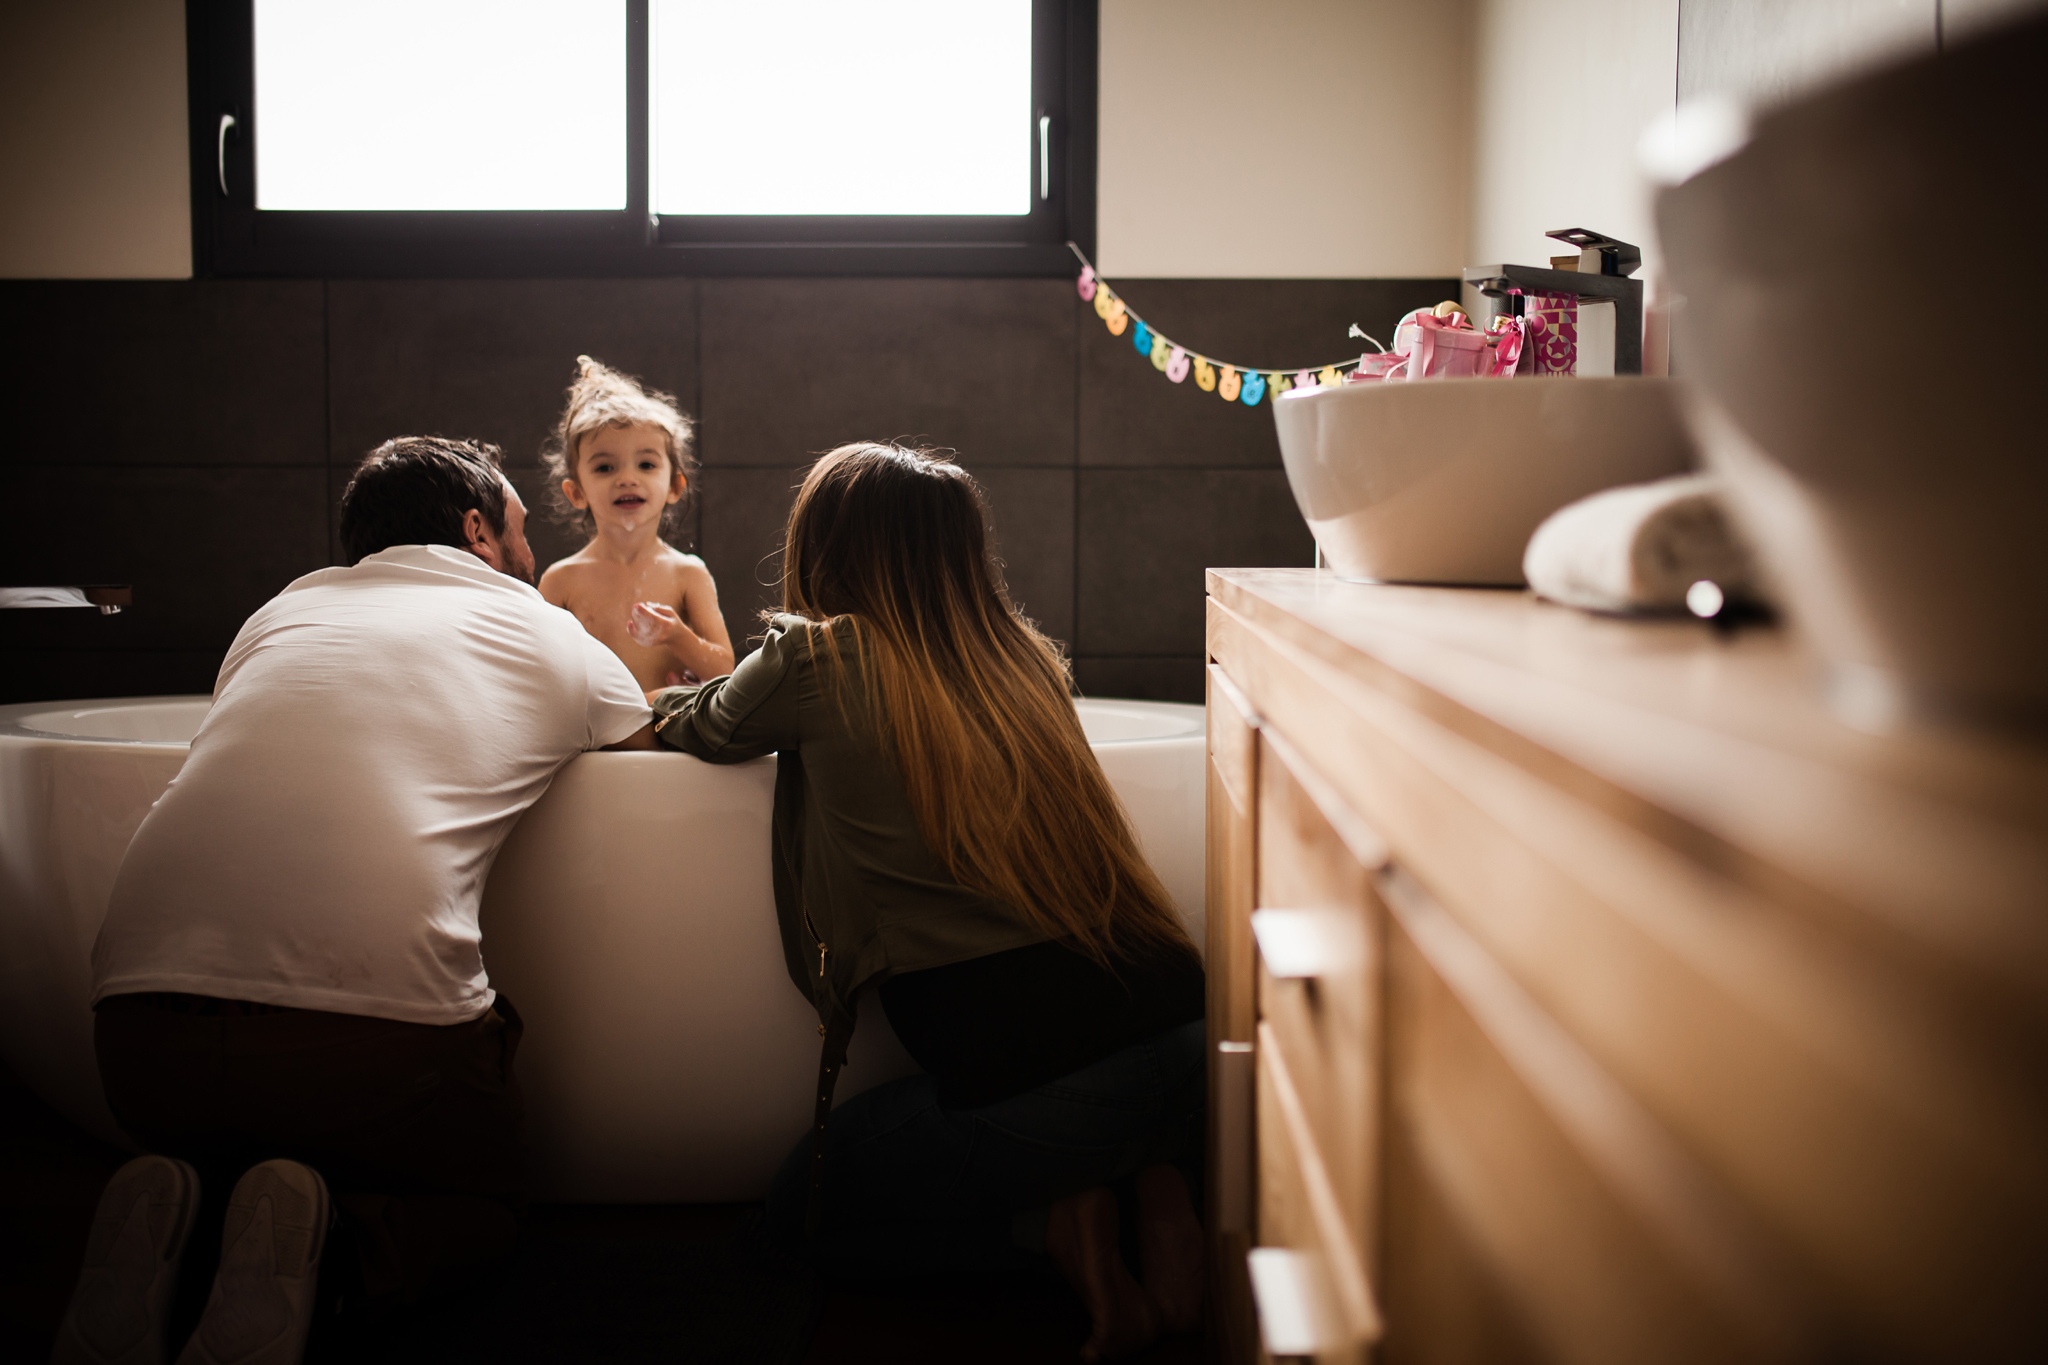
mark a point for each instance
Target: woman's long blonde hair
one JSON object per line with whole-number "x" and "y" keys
{"x": 889, "y": 546}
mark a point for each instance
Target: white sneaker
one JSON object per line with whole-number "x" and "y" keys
{"x": 139, "y": 1231}
{"x": 262, "y": 1300}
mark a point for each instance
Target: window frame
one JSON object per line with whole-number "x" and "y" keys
{"x": 232, "y": 238}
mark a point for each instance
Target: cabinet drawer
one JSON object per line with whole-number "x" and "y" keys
{"x": 1335, "y": 1316}
{"x": 1231, "y": 852}
{"x": 1533, "y": 1202}
{"x": 1320, "y": 934}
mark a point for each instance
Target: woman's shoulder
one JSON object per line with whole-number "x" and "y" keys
{"x": 805, "y": 630}
{"x": 801, "y": 644}
{"x": 791, "y": 640}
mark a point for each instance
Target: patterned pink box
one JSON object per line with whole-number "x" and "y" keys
{"x": 1552, "y": 341}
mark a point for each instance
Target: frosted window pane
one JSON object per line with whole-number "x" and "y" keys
{"x": 828, "y": 106}
{"x": 441, "y": 104}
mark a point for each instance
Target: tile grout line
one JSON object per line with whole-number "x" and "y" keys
{"x": 1177, "y": 469}
{"x": 1074, "y": 551}
{"x": 697, "y": 360}
{"x": 327, "y": 415}
{"x": 166, "y": 466}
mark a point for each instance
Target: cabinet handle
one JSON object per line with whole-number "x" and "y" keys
{"x": 1236, "y": 1083}
{"x": 1292, "y": 1293}
{"x": 1300, "y": 944}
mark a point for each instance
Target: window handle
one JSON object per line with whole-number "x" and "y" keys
{"x": 227, "y": 121}
{"x": 1044, "y": 156}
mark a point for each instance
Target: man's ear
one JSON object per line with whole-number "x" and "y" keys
{"x": 478, "y": 540}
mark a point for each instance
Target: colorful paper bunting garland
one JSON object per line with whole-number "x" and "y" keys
{"x": 1245, "y": 384}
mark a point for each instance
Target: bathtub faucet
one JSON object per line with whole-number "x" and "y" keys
{"x": 108, "y": 597}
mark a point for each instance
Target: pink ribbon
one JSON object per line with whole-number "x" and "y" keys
{"x": 1507, "y": 337}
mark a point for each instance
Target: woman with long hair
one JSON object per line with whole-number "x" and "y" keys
{"x": 944, "y": 833}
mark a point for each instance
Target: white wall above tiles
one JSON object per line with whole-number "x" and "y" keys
{"x": 1564, "y": 88}
{"x": 1290, "y": 138}
{"x": 92, "y": 140}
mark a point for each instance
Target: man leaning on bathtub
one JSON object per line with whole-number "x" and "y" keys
{"x": 290, "y": 994}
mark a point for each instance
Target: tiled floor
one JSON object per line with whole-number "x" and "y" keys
{"x": 51, "y": 1176}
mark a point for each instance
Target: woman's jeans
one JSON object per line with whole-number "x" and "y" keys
{"x": 914, "y": 1189}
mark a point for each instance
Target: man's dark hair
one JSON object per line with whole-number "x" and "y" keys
{"x": 414, "y": 490}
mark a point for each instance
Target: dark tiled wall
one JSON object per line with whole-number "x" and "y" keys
{"x": 192, "y": 438}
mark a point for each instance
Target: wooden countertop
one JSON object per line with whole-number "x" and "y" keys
{"x": 1719, "y": 741}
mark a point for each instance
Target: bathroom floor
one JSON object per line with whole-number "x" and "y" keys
{"x": 608, "y": 1284}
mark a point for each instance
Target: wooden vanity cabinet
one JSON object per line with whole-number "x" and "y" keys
{"x": 1580, "y": 990}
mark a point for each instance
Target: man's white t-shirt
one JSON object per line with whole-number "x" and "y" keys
{"x": 376, "y": 731}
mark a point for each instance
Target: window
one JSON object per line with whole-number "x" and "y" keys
{"x": 896, "y": 107}
{"x": 403, "y": 137}
{"x": 396, "y": 105}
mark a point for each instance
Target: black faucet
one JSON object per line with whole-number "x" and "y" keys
{"x": 1605, "y": 267}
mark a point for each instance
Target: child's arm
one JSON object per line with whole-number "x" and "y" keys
{"x": 696, "y": 637}
{"x": 554, "y": 585}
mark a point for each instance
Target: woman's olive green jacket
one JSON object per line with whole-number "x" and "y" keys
{"x": 858, "y": 892}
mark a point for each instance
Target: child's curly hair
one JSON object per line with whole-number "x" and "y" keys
{"x": 602, "y": 397}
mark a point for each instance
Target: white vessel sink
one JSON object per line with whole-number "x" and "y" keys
{"x": 1895, "y": 485}
{"x": 1444, "y": 481}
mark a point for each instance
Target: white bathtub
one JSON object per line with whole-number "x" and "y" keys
{"x": 630, "y": 916}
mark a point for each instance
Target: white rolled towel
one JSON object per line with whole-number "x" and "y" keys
{"x": 43, "y": 597}
{"x": 1639, "y": 548}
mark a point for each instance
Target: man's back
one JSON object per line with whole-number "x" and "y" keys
{"x": 375, "y": 734}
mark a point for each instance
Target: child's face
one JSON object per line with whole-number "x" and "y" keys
{"x": 624, "y": 477}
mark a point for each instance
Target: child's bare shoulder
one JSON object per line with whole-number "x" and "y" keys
{"x": 685, "y": 568}
{"x": 561, "y": 578}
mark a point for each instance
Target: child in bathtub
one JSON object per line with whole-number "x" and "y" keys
{"x": 620, "y": 462}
